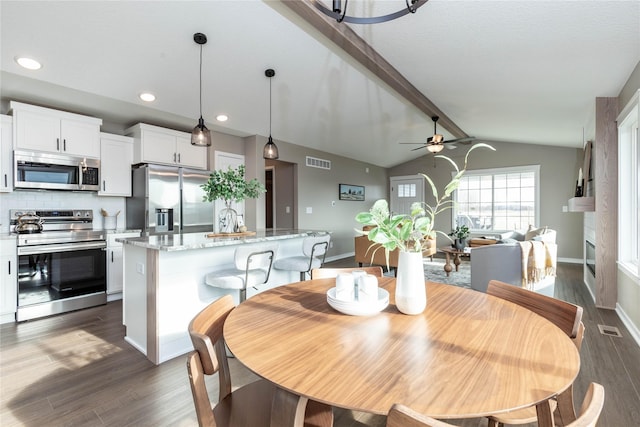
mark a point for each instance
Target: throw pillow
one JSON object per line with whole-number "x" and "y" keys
{"x": 534, "y": 232}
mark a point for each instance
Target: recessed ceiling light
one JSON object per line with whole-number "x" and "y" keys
{"x": 147, "y": 97}
{"x": 28, "y": 63}
{"x": 222, "y": 118}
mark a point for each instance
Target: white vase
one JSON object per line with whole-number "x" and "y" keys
{"x": 227, "y": 220}
{"x": 411, "y": 292}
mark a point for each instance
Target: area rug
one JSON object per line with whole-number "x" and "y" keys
{"x": 434, "y": 271}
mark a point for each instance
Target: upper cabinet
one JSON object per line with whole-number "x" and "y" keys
{"x": 116, "y": 156}
{"x": 6, "y": 154}
{"x": 53, "y": 131}
{"x": 153, "y": 144}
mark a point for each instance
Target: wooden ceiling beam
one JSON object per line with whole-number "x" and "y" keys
{"x": 346, "y": 39}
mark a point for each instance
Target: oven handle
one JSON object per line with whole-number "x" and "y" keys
{"x": 64, "y": 247}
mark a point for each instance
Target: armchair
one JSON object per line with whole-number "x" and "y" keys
{"x": 369, "y": 253}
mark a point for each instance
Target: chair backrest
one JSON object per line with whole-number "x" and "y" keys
{"x": 328, "y": 273}
{"x": 591, "y": 407}
{"x": 316, "y": 245}
{"x": 563, "y": 314}
{"x": 209, "y": 357}
{"x": 255, "y": 257}
{"x": 402, "y": 416}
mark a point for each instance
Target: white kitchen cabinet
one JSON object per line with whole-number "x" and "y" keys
{"x": 6, "y": 154}
{"x": 114, "y": 263}
{"x": 116, "y": 156}
{"x": 43, "y": 129}
{"x": 8, "y": 280}
{"x": 153, "y": 144}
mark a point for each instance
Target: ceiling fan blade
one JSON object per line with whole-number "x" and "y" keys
{"x": 467, "y": 139}
{"x": 414, "y": 143}
{"x": 419, "y": 148}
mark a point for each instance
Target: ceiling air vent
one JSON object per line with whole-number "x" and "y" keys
{"x": 314, "y": 162}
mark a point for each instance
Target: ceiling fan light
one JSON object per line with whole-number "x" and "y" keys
{"x": 437, "y": 139}
{"x": 435, "y": 148}
{"x": 201, "y": 136}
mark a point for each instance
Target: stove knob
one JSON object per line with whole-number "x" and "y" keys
{"x": 77, "y": 214}
{"x": 87, "y": 214}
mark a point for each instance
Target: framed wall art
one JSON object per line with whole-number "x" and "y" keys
{"x": 350, "y": 192}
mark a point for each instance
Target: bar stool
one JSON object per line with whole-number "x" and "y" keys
{"x": 252, "y": 267}
{"x": 312, "y": 248}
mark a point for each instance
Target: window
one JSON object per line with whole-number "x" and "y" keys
{"x": 629, "y": 186}
{"x": 498, "y": 199}
{"x": 406, "y": 190}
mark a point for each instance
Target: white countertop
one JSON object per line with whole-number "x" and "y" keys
{"x": 189, "y": 241}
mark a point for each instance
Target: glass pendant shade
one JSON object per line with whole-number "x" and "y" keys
{"x": 270, "y": 150}
{"x": 200, "y": 135}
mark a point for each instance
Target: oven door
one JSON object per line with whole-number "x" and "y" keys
{"x": 57, "y": 272}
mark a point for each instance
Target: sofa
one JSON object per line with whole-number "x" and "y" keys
{"x": 369, "y": 253}
{"x": 503, "y": 261}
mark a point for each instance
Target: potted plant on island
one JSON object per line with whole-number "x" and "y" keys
{"x": 460, "y": 234}
{"x": 230, "y": 186}
{"x": 408, "y": 233}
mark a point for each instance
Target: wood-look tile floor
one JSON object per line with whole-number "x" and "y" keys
{"x": 76, "y": 369}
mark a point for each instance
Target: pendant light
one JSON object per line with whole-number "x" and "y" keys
{"x": 200, "y": 136}
{"x": 270, "y": 150}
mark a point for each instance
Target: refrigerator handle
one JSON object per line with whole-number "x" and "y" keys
{"x": 178, "y": 157}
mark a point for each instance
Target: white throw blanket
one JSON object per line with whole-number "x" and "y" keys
{"x": 538, "y": 261}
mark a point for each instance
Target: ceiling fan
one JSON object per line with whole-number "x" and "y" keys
{"x": 435, "y": 143}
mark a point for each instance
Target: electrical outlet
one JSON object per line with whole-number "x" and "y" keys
{"x": 309, "y": 210}
{"x": 333, "y": 203}
{"x": 565, "y": 209}
{"x": 140, "y": 268}
{"x": 330, "y": 245}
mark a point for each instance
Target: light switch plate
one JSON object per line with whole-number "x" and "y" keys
{"x": 309, "y": 210}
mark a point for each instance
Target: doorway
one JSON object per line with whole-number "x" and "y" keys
{"x": 269, "y": 198}
{"x": 405, "y": 190}
{"x": 281, "y": 196}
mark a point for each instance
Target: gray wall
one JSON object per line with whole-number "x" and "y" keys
{"x": 558, "y": 174}
{"x": 318, "y": 189}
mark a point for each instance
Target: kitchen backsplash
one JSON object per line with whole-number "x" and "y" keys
{"x": 61, "y": 200}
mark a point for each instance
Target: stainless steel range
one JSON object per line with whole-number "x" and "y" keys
{"x": 61, "y": 265}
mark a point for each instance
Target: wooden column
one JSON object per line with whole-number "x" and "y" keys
{"x": 606, "y": 175}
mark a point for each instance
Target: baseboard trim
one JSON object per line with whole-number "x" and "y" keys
{"x": 340, "y": 256}
{"x": 626, "y": 320}
{"x": 571, "y": 260}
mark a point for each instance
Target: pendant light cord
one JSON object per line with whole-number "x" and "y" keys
{"x": 201, "y": 81}
{"x": 270, "y": 105}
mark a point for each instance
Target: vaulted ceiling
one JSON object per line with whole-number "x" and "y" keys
{"x": 514, "y": 71}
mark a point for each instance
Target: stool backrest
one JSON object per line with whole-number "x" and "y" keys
{"x": 315, "y": 246}
{"x": 255, "y": 257}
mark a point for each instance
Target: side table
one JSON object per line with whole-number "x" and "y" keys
{"x": 450, "y": 252}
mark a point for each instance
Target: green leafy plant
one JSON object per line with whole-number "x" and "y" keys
{"x": 231, "y": 186}
{"x": 409, "y": 232}
{"x": 461, "y": 232}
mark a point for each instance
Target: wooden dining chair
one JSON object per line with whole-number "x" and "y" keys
{"x": 249, "y": 405}
{"x": 566, "y": 316}
{"x": 329, "y": 273}
{"x": 403, "y": 416}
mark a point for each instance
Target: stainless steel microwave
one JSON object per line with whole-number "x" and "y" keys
{"x": 47, "y": 171}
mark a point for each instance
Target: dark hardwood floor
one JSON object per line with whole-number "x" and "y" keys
{"x": 76, "y": 369}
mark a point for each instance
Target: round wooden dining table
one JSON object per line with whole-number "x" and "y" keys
{"x": 467, "y": 355}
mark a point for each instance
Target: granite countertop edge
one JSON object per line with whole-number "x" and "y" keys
{"x": 191, "y": 241}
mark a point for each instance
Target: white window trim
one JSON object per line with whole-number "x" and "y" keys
{"x": 628, "y": 207}
{"x": 508, "y": 169}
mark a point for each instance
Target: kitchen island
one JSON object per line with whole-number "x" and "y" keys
{"x": 164, "y": 283}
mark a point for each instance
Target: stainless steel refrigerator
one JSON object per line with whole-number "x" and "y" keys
{"x": 167, "y": 199}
